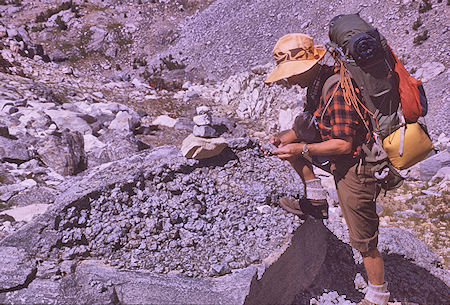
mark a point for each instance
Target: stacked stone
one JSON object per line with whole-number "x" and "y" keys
{"x": 203, "y": 123}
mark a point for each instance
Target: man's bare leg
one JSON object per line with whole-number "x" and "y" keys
{"x": 303, "y": 168}
{"x": 317, "y": 205}
{"x": 374, "y": 265}
{"x": 314, "y": 190}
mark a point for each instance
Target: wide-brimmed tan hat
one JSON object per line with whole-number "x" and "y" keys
{"x": 294, "y": 53}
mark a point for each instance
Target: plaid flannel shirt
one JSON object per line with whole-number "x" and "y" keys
{"x": 340, "y": 120}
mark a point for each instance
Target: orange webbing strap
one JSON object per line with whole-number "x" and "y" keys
{"x": 351, "y": 98}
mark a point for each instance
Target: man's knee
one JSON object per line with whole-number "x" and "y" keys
{"x": 371, "y": 253}
{"x": 294, "y": 160}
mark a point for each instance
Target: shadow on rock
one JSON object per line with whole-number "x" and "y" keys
{"x": 219, "y": 160}
{"x": 411, "y": 283}
{"x": 318, "y": 262}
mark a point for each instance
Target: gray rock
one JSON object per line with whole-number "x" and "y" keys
{"x": 407, "y": 214}
{"x": 202, "y": 119}
{"x": 157, "y": 204}
{"x": 12, "y": 32}
{"x": 4, "y": 132}
{"x": 97, "y": 38}
{"x": 220, "y": 269}
{"x": 94, "y": 283}
{"x": 8, "y": 191}
{"x": 191, "y": 95}
{"x": 204, "y": 131}
{"x": 164, "y": 120}
{"x": 121, "y": 122}
{"x": 426, "y": 169}
{"x": 102, "y": 122}
{"x": 33, "y": 195}
{"x": 64, "y": 152}
{"x": 118, "y": 145}
{"x": 203, "y": 110}
{"x": 70, "y": 120}
{"x": 228, "y": 127}
{"x": 6, "y": 177}
{"x": 14, "y": 150}
{"x": 184, "y": 124}
{"x": 16, "y": 269}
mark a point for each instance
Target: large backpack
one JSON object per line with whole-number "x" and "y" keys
{"x": 392, "y": 97}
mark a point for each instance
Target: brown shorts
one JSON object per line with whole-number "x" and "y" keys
{"x": 357, "y": 192}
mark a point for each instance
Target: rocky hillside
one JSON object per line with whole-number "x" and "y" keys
{"x": 96, "y": 98}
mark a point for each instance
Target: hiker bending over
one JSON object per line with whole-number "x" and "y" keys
{"x": 342, "y": 133}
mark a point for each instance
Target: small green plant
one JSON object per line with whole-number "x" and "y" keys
{"x": 416, "y": 25}
{"x": 61, "y": 24}
{"x": 85, "y": 39}
{"x": 156, "y": 80}
{"x": 425, "y": 6}
{"x": 37, "y": 28}
{"x": 420, "y": 38}
{"x": 140, "y": 60}
{"x": 119, "y": 36}
{"x": 171, "y": 64}
{"x": 69, "y": 5}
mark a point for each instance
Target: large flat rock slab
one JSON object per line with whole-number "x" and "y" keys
{"x": 16, "y": 269}
{"x": 26, "y": 213}
{"x": 94, "y": 283}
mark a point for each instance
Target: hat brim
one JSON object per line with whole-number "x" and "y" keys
{"x": 289, "y": 68}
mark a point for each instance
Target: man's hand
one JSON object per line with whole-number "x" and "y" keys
{"x": 283, "y": 138}
{"x": 275, "y": 140}
{"x": 289, "y": 151}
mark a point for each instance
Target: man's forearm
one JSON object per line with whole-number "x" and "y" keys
{"x": 287, "y": 136}
{"x": 329, "y": 147}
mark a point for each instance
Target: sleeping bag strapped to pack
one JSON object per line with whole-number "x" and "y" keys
{"x": 392, "y": 97}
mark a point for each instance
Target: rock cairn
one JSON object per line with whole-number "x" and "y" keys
{"x": 203, "y": 123}
{"x": 204, "y": 141}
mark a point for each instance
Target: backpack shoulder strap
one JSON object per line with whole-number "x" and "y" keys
{"x": 328, "y": 84}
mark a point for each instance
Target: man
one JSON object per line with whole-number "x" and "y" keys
{"x": 342, "y": 133}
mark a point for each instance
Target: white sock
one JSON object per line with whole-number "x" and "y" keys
{"x": 378, "y": 294}
{"x": 314, "y": 190}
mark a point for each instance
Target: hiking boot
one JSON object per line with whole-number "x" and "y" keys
{"x": 292, "y": 205}
{"x": 319, "y": 208}
{"x": 304, "y": 207}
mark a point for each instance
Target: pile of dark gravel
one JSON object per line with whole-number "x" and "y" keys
{"x": 198, "y": 218}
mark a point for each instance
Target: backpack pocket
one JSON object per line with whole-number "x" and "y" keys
{"x": 407, "y": 145}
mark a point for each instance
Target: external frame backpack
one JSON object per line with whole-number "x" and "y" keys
{"x": 393, "y": 98}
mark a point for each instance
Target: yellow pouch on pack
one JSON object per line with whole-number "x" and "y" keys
{"x": 415, "y": 147}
